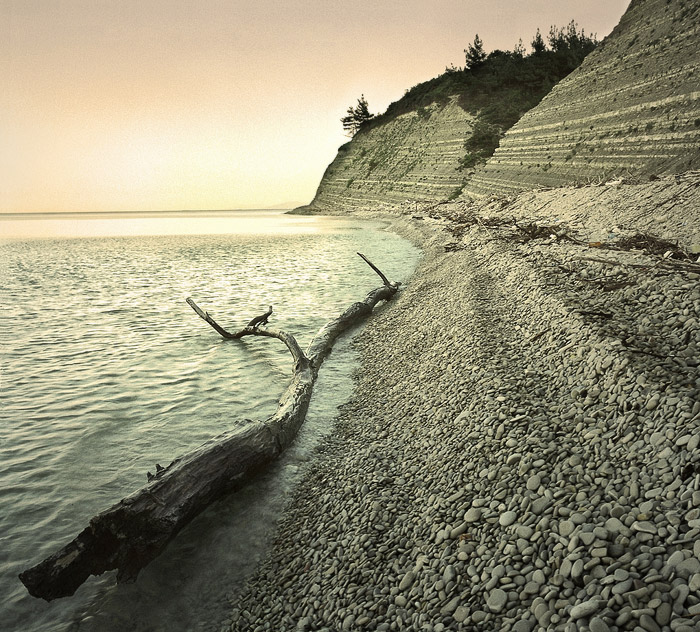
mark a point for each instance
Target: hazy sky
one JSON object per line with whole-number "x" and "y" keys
{"x": 195, "y": 104}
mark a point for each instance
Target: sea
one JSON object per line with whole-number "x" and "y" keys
{"x": 105, "y": 371}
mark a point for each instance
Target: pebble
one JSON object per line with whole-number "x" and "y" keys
{"x": 523, "y": 625}
{"x": 450, "y": 606}
{"x": 566, "y": 527}
{"x": 644, "y": 527}
{"x": 648, "y": 623}
{"x": 497, "y": 600}
{"x": 507, "y": 518}
{"x": 596, "y": 624}
{"x": 534, "y": 482}
{"x": 473, "y": 515}
{"x": 585, "y": 609}
{"x": 407, "y": 580}
{"x": 460, "y": 614}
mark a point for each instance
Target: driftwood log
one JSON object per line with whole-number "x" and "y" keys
{"x": 133, "y": 532}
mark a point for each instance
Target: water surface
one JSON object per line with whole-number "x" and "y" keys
{"x": 105, "y": 371}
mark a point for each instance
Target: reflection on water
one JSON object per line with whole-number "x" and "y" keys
{"x": 69, "y": 225}
{"x": 105, "y": 370}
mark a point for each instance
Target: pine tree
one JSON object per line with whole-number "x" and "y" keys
{"x": 356, "y": 117}
{"x": 349, "y": 123}
{"x": 538, "y": 45}
{"x": 475, "y": 55}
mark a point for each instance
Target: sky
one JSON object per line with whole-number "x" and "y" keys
{"x": 133, "y": 105}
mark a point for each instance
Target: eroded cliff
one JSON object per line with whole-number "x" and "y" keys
{"x": 632, "y": 107}
{"x": 413, "y": 157}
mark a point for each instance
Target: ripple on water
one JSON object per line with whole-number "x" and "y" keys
{"x": 107, "y": 371}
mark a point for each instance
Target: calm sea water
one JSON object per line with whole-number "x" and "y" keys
{"x": 105, "y": 371}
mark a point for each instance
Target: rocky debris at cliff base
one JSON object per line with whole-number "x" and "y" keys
{"x": 509, "y": 461}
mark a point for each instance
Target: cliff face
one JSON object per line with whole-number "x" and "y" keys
{"x": 413, "y": 157}
{"x": 632, "y": 107}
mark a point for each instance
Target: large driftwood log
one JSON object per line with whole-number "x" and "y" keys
{"x": 130, "y": 534}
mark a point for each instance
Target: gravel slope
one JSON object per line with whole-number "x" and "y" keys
{"x": 521, "y": 453}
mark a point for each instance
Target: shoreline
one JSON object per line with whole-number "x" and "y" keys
{"x": 520, "y": 450}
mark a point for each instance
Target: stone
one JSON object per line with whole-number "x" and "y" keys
{"x": 533, "y": 483}
{"x": 539, "y": 505}
{"x": 649, "y": 624}
{"x": 524, "y": 532}
{"x": 688, "y": 567}
{"x": 663, "y": 614}
{"x": 613, "y": 525}
{"x": 524, "y": 625}
{"x": 566, "y": 528}
{"x": 407, "y": 580}
{"x": 478, "y": 616}
{"x": 675, "y": 558}
{"x": 622, "y": 587}
{"x": 457, "y": 531}
{"x": 694, "y": 582}
{"x": 644, "y": 526}
{"x": 497, "y": 600}
{"x": 450, "y": 606}
{"x": 585, "y": 609}
{"x": 538, "y": 576}
{"x": 460, "y": 614}
{"x": 473, "y": 515}
{"x": 507, "y": 518}
{"x": 596, "y": 624}
{"x": 621, "y": 574}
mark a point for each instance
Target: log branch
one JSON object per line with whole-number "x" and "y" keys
{"x": 133, "y": 532}
{"x": 379, "y": 272}
{"x": 252, "y": 330}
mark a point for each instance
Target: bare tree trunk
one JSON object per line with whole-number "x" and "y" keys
{"x": 130, "y": 534}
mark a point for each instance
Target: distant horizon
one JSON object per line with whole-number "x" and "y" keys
{"x": 88, "y": 224}
{"x": 152, "y": 211}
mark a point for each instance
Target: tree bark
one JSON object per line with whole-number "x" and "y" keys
{"x": 133, "y": 532}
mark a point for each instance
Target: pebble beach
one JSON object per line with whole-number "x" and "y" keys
{"x": 520, "y": 452}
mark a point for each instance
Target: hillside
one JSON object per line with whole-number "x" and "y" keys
{"x": 631, "y": 108}
{"x": 425, "y": 145}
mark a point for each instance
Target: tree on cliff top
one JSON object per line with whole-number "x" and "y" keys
{"x": 475, "y": 54}
{"x": 497, "y": 88}
{"x": 356, "y": 117}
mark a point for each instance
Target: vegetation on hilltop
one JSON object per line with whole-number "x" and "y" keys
{"x": 498, "y": 87}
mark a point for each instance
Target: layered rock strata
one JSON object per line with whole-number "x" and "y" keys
{"x": 632, "y": 107}
{"x": 414, "y": 157}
